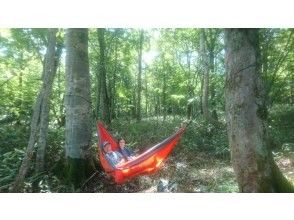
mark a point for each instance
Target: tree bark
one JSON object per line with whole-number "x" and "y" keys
{"x": 26, "y": 162}
{"x": 139, "y": 78}
{"x": 104, "y": 100}
{"x": 78, "y": 107}
{"x": 114, "y": 78}
{"x": 50, "y": 71}
{"x": 146, "y": 94}
{"x": 205, "y": 64}
{"x": 164, "y": 95}
{"x": 252, "y": 161}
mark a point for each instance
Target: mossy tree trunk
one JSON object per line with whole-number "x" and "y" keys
{"x": 252, "y": 160}
{"x": 78, "y": 107}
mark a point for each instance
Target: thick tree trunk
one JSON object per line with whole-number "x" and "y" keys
{"x": 252, "y": 161}
{"x": 40, "y": 115}
{"x": 104, "y": 100}
{"x": 50, "y": 71}
{"x": 78, "y": 107}
{"x": 205, "y": 64}
{"x": 139, "y": 79}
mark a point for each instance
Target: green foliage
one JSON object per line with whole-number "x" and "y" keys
{"x": 280, "y": 125}
{"x": 10, "y": 162}
{"x": 207, "y": 137}
{"x": 171, "y": 80}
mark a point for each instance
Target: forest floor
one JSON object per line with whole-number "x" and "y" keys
{"x": 199, "y": 163}
{"x": 178, "y": 174}
{"x": 181, "y": 175}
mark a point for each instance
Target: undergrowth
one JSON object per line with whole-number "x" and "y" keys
{"x": 199, "y": 163}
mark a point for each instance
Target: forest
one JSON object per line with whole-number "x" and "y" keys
{"x": 233, "y": 89}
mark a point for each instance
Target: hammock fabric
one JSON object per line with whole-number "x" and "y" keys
{"x": 145, "y": 163}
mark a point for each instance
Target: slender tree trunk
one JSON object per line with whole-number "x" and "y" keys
{"x": 252, "y": 161}
{"x": 139, "y": 79}
{"x": 205, "y": 64}
{"x": 190, "y": 89}
{"x": 104, "y": 100}
{"x": 26, "y": 162}
{"x": 146, "y": 94}
{"x": 50, "y": 71}
{"x": 113, "y": 87}
{"x": 19, "y": 103}
{"x": 38, "y": 115}
{"x": 201, "y": 95}
{"x": 78, "y": 107}
{"x": 133, "y": 104}
{"x": 61, "y": 120}
{"x": 164, "y": 96}
{"x": 98, "y": 96}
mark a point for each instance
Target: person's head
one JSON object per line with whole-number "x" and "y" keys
{"x": 121, "y": 142}
{"x": 107, "y": 147}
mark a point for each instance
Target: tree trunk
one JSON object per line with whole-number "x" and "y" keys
{"x": 164, "y": 95}
{"x": 205, "y": 64}
{"x": 139, "y": 79}
{"x": 104, "y": 100}
{"x": 26, "y": 162}
{"x": 252, "y": 161}
{"x": 41, "y": 101}
{"x": 190, "y": 89}
{"x": 78, "y": 107}
{"x": 201, "y": 95}
{"x": 114, "y": 79}
{"x": 49, "y": 74}
{"x": 98, "y": 95}
{"x": 146, "y": 95}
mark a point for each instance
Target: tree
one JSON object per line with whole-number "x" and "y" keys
{"x": 139, "y": 77}
{"x": 205, "y": 64}
{"x": 40, "y": 118}
{"x": 104, "y": 97}
{"x": 252, "y": 160}
{"x": 78, "y": 107}
{"x": 50, "y": 69}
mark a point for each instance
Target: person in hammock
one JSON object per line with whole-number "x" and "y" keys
{"x": 114, "y": 157}
{"x": 125, "y": 152}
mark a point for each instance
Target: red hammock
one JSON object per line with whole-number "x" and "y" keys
{"x": 147, "y": 162}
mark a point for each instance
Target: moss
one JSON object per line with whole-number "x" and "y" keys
{"x": 280, "y": 182}
{"x": 262, "y": 112}
{"x": 79, "y": 170}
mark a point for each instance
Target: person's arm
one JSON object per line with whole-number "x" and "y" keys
{"x": 130, "y": 152}
{"x": 110, "y": 160}
{"x": 120, "y": 158}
